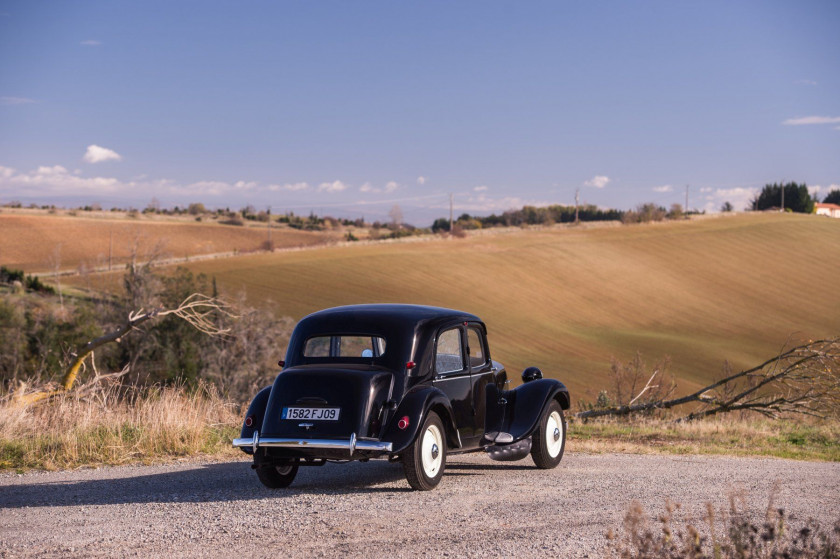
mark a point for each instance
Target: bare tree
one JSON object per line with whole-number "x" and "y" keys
{"x": 803, "y": 380}
{"x": 396, "y": 216}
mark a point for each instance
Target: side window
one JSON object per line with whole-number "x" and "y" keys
{"x": 477, "y": 357}
{"x": 449, "y": 356}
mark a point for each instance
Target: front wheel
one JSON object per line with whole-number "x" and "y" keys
{"x": 425, "y": 460}
{"x": 275, "y": 476}
{"x": 550, "y": 437}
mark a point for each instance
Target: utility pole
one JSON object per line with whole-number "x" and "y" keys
{"x": 577, "y": 205}
{"x": 686, "y": 199}
{"x": 450, "y": 213}
{"x": 269, "y": 229}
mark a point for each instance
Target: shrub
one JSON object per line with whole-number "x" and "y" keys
{"x": 734, "y": 536}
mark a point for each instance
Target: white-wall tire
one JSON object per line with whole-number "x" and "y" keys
{"x": 425, "y": 459}
{"x": 549, "y": 440}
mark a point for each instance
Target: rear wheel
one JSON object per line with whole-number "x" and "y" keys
{"x": 425, "y": 460}
{"x": 550, "y": 437}
{"x": 275, "y": 476}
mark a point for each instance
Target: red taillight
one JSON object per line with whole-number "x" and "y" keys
{"x": 403, "y": 422}
{"x": 410, "y": 365}
{"x": 249, "y": 421}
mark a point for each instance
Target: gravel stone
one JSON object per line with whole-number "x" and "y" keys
{"x": 481, "y": 508}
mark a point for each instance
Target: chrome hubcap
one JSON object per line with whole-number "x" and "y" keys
{"x": 435, "y": 451}
{"x": 556, "y": 434}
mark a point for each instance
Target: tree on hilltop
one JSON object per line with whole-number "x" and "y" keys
{"x": 796, "y": 198}
{"x": 832, "y": 197}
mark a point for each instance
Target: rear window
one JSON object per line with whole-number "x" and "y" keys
{"x": 344, "y": 346}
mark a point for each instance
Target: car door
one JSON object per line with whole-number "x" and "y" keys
{"x": 481, "y": 374}
{"x": 453, "y": 378}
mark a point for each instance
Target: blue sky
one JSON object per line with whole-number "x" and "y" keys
{"x": 347, "y": 108}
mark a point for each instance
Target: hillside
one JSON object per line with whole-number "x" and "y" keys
{"x": 33, "y": 240}
{"x": 568, "y": 299}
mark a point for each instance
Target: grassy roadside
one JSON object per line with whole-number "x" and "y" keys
{"x": 157, "y": 425}
{"x": 166, "y": 424}
{"x": 789, "y": 438}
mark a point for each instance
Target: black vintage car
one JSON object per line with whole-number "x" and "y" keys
{"x": 402, "y": 382}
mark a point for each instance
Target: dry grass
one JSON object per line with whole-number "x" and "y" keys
{"x": 568, "y": 299}
{"x": 746, "y": 436}
{"x": 156, "y": 424}
{"x": 726, "y": 534}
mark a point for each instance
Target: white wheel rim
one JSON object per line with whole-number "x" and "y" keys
{"x": 554, "y": 434}
{"x": 283, "y": 470}
{"x": 431, "y": 451}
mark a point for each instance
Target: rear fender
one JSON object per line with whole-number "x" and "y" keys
{"x": 527, "y": 402}
{"x": 257, "y": 411}
{"x": 416, "y": 406}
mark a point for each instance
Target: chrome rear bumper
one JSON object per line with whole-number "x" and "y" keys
{"x": 352, "y": 445}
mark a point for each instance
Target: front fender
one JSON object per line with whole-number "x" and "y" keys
{"x": 257, "y": 411}
{"x": 416, "y": 405}
{"x": 528, "y": 402}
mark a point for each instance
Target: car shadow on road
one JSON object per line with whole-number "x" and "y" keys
{"x": 229, "y": 481}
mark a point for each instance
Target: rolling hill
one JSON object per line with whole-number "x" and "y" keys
{"x": 35, "y": 240}
{"x": 569, "y": 299}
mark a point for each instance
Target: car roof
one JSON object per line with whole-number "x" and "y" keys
{"x": 387, "y": 313}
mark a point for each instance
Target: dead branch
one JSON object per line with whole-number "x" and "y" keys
{"x": 197, "y": 309}
{"x": 804, "y": 380}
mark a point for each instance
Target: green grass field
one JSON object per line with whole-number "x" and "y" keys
{"x": 569, "y": 299}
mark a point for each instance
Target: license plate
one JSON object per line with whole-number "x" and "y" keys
{"x": 321, "y": 414}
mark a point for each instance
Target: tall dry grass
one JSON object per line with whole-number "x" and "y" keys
{"x": 141, "y": 425}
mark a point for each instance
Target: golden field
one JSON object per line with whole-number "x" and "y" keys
{"x": 33, "y": 241}
{"x": 568, "y": 299}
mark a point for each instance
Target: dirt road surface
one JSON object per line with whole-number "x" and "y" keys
{"x": 481, "y": 509}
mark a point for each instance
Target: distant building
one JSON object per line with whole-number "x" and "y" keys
{"x": 831, "y": 210}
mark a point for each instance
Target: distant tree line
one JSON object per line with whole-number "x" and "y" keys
{"x": 530, "y": 215}
{"x": 792, "y": 196}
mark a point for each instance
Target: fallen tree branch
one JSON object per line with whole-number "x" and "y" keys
{"x": 804, "y": 379}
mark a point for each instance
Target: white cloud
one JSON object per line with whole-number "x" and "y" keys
{"x": 814, "y": 190}
{"x": 16, "y": 101}
{"x": 481, "y": 202}
{"x": 336, "y": 186}
{"x": 481, "y": 188}
{"x": 598, "y": 181}
{"x": 663, "y": 188}
{"x": 205, "y": 187}
{"x": 91, "y": 43}
{"x": 98, "y": 154}
{"x": 812, "y": 120}
{"x": 292, "y": 187}
{"x": 391, "y": 186}
{"x": 805, "y": 82}
{"x": 421, "y": 180}
{"x": 243, "y": 185}
{"x": 55, "y": 180}
{"x": 739, "y": 197}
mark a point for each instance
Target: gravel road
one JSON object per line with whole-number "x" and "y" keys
{"x": 481, "y": 509}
